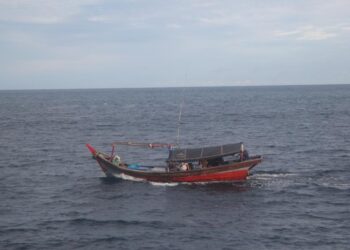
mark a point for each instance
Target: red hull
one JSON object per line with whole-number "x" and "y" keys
{"x": 226, "y": 176}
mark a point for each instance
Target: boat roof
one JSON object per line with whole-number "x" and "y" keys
{"x": 195, "y": 154}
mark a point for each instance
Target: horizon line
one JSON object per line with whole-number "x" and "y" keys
{"x": 180, "y": 86}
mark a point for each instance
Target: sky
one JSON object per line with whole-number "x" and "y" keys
{"x": 60, "y": 44}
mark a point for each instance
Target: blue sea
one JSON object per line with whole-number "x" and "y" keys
{"x": 54, "y": 196}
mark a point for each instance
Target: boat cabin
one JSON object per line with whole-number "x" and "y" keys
{"x": 206, "y": 157}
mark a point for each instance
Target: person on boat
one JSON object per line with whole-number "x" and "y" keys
{"x": 190, "y": 166}
{"x": 171, "y": 167}
{"x": 245, "y": 155}
{"x": 184, "y": 166}
{"x": 215, "y": 162}
{"x": 116, "y": 160}
{"x": 203, "y": 163}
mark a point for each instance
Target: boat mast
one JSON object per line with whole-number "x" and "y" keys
{"x": 179, "y": 120}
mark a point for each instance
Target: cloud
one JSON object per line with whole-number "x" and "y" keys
{"x": 128, "y": 20}
{"x": 174, "y": 26}
{"x": 218, "y": 21}
{"x": 41, "y": 11}
{"x": 309, "y": 33}
{"x": 101, "y": 19}
{"x": 63, "y": 64}
{"x": 159, "y": 39}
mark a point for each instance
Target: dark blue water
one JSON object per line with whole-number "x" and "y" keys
{"x": 53, "y": 195}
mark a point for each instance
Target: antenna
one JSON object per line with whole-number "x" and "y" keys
{"x": 180, "y": 111}
{"x": 179, "y": 120}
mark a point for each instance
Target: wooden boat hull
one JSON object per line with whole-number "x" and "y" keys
{"x": 237, "y": 171}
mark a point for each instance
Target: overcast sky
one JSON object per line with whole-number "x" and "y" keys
{"x": 48, "y": 44}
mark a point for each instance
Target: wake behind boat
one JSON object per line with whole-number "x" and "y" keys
{"x": 229, "y": 162}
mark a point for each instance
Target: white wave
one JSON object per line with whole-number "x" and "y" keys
{"x": 167, "y": 184}
{"x": 198, "y": 183}
{"x": 340, "y": 186}
{"x": 164, "y": 184}
{"x": 210, "y": 182}
{"x": 266, "y": 176}
{"x": 128, "y": 177}
{"x": 201, "y": 183}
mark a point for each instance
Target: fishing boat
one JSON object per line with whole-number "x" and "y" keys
{"x": 230, "y": 162}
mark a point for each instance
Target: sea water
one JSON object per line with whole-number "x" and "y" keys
{"x": 54, "y": 196}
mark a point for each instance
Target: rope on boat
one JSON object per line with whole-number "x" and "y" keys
{"x": 143, "y": 144}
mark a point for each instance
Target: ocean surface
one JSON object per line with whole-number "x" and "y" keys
{"x": 54, "y": 196}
